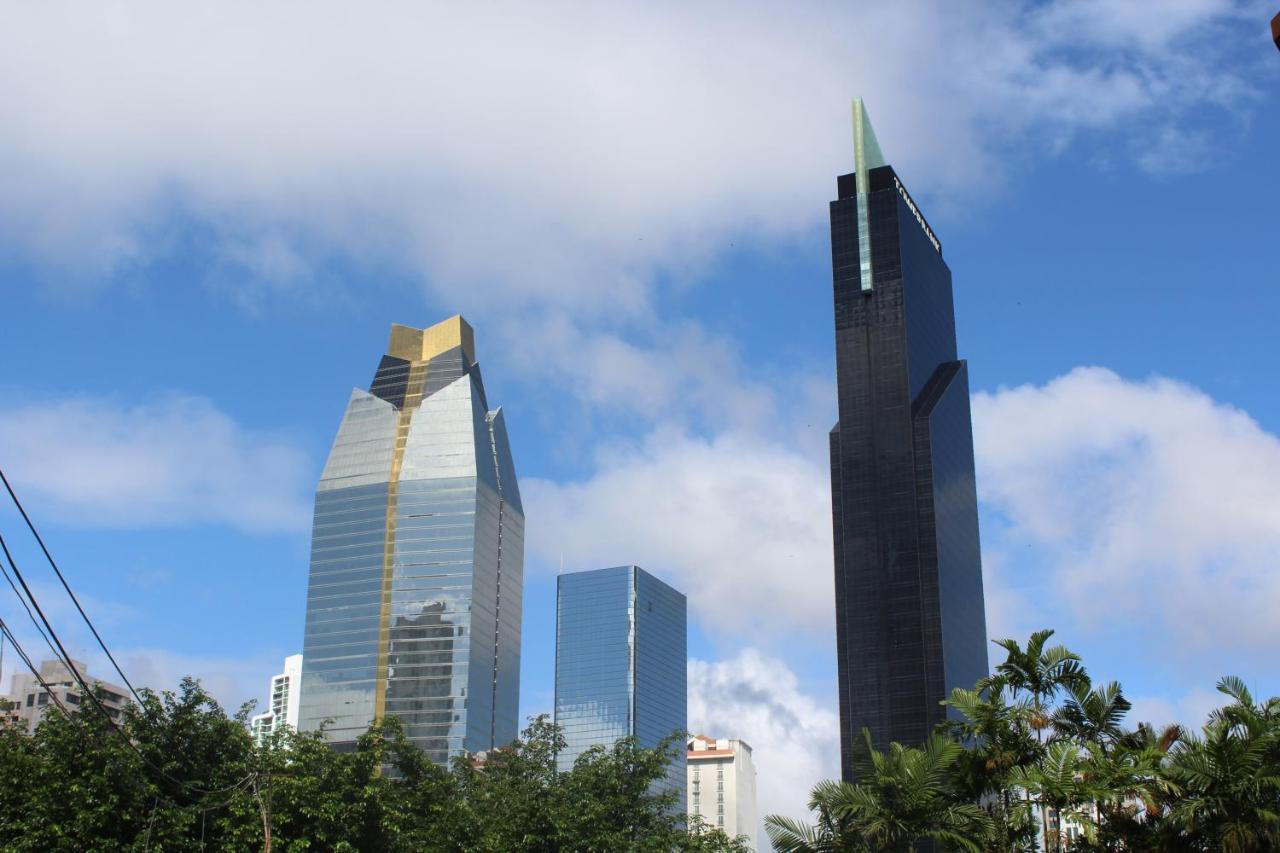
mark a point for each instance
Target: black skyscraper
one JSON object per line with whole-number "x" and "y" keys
{"x": 910, "y": 621}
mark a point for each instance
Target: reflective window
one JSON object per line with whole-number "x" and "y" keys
{"x": 620, "y": 662}
{"x": 415, "y": 591}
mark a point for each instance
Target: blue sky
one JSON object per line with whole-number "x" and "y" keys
{"x": 211, "y": 217}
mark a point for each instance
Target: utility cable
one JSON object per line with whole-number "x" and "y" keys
{"x": 25, "y": 606}
{"x": 60, "y": 653}
{"x": 39, "y": 539}
{"x": 44, "y": 685}
{"x": 91, "y": 694}
{"x": 74, "y": 718}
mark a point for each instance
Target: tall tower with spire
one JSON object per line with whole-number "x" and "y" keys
{"x": 417, "y": 551}
{"x": 910, "y": 618}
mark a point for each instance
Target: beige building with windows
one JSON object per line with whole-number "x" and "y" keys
{"x": 722, "y": 786}
{"x": 29, "y": 700}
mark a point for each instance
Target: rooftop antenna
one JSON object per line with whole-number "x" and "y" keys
{"x": 866, "y": 156}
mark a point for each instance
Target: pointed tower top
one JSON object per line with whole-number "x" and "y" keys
{"x": 866, "y": 156}
{"x": 866, "y": 150}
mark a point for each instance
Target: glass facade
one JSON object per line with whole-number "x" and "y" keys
{"x": 620, "y": 663}
{"x": 910, "y": 617}
{"x": 414, "y": 599}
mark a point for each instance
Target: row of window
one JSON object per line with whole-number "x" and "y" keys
{"x": 43, "y": 699}
{"x": 40, "y": 700}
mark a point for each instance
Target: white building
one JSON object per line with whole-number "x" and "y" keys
{"x": 282, "y": 704}
{"x": 29, "y": 700}
{"x": 1070, "y": 825}
{"x": 722, "y": 786}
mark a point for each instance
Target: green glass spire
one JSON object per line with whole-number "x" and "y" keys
{"x": 866, "y": 156}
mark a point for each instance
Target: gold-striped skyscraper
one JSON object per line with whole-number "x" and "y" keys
{"x": 417, "y": 553}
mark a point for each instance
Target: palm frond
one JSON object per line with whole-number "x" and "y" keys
{"x": 792, "y": 836}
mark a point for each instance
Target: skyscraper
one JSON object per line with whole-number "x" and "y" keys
{"x": 417, "y": 551}
{"x": 621, "y": 650}
{"x": 910, "y": 621}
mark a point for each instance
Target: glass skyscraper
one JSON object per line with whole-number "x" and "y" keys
{"x": 621, "y": 663}
{"x": 417, "y": 552}
{"x": 910, "y": 620}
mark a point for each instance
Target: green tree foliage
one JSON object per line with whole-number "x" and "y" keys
{"x": 79, "y": 783}
{"x": 180, "y": 774}
{"x": 1229, "y": 778}
{"x": 605, "y": 802}
{"x": 901, "y": 797}
{"x": 1040, "y": 673}
{"x": 1036, "y": 747}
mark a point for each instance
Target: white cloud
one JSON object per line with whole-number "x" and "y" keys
{"x": 794, "y": 736}
{"x": 1123, "y": 24}
{"x": 1189, "y": 710}
{"x": 232, "y": 681}
{"x": 530, "y": 153}
{"x": 739, "y": 523}
{"x": 177, "y": 460}
{"x": 1136, "y": 494}
{"x": 1172, "y": 151}
{"x": 673, "y": 372}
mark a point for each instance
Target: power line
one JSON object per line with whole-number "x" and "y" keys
{"x": 61, "y": 651}
{"x": 35, "y": 622}
{"x": 44, "y": 685}
{"x": 89, "y": 691}
{"x": 52, "y": 694}
{"x": 31, "y": 526}
{"x": 13, "y": 641}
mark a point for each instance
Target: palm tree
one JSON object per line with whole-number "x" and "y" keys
{"x": 1059, "y": 783}
{"x": 829, "y": 836}
{"x": 997, "y": 729}
{"x": 1092, "y": 716}
{"x": 1244, "y": 714}
{"x": 1040, "y": 672}
{"x": 1230, "y": 777}
{"x": 902, "y": 796}
{"x": 1133, "y": 794}
{"x": 998, "y": 735}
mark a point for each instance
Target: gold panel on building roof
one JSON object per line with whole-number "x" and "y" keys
{"x": 424, "y": 344}
{"x": 406, "y": 342}
{"x": 447, "y": 334}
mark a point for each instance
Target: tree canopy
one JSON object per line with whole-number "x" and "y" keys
{"x": 1037, "y": 753}
{"x": 180, "y": 774}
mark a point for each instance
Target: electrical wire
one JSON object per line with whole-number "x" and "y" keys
{"x": 67, "y": 659}
{"x": 35, "y": 622}
{"x": 92, "y": 695}
{"x": 48, "y": 556}
{"x": 238, "y": 787}
{"x": 13, "y": 641}
{"x": 60, "y": 653}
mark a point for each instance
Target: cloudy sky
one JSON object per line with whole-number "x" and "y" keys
{"x": 210, "y": 213}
